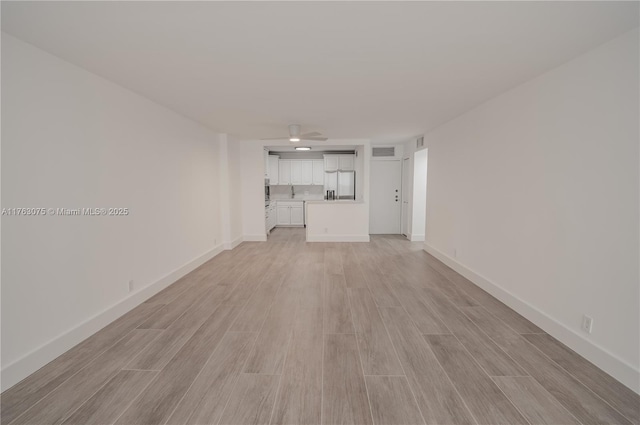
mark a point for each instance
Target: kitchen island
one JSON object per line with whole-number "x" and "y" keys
{"x": 337, "y": 221}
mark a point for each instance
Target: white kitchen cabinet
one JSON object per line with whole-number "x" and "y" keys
{"x": 266, "y": 163}
{"x": 297, "y": 215}
{"x": 268, "y": 219}
{"x": 296, "y": 172}
{"x": 317, "y": 171}
{"x": 331, "y": 163}
{"x": 284, "y": 215}
{"x": 342, "y": 162}
{"x": 284, "y": 171}
{"x": 272, "y": 216}
{"x": 306, "y": 170}
{"x": 274, "y": 171}
{"x": 346, "y": 162}
{"x": 290, "y": 213}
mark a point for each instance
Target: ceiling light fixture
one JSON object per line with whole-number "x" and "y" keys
{"x": 294, "y": 139}
{"x": 303, "y": 148}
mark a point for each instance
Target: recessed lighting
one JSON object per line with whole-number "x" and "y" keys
{"x": 294, "y": 139}
{"x": 302, "y": 148}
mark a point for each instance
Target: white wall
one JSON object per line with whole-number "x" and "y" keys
{"x": 235, "y": 189}
{"x": 537, "y": 193}
{"x": 71, "y": 139}
{"x": 252, "y": 187}
{"x": 230, "y": 179}
{"x": 339, "y": 221}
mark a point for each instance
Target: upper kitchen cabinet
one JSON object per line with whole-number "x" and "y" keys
{"x": 331, "y": 162}
{"x": 274, "y": 171}
{"x": 295, "y": 171}
{"x": 346, "y": 162}
{"x": 317, "y": 166}
{"x": 266, "y": 163}
{"x": 307, "y": 172}
{"x": 284, "y": 171}
{"x": 300, "y": 172}
{"x": 342, "y": 162}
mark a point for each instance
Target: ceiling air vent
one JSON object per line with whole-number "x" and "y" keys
{"x": 420, "y": 142}
{"x": 378, "y": 152}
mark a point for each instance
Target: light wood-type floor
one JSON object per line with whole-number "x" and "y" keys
{"x": 288, "y": 332}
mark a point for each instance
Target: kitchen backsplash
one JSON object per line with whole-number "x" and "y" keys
{"x": 282, "y": 191}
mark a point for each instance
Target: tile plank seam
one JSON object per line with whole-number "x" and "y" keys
{"x": 441, "y": 367}
{"x": 79, "y": 370}
{"x": 493, "y": 378}
{"x": 360, "y": 356}
{"x": 264, "y": 270}
{"x": 577, "y": 380}
{"x": 218, "y": 305}
{"x": 520, "y": 334}
{"x": 478, "y": 330}
{"x": 509, "y": 399}
{"x": 560, "y": 366}
{"x": 284, "y": 365}
{"x": 395, "y": 350}
{"x": 209, "y": 358}
{"x": 131, "y": 401}
{"x": 471, "y": 355}
{"x": 440, "y": 364}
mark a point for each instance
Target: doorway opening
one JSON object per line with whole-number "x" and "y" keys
{"x": 406, "y": 196}
{"x": 416, "y": 230}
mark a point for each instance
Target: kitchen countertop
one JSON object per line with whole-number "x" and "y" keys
{"x": 337, "y": 201}
{"x": 299, "y": 198}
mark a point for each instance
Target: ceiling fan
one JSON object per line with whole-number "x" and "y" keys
{"x": 295, "y": 136}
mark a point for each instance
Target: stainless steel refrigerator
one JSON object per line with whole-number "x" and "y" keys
{"x": 343, "y": 182}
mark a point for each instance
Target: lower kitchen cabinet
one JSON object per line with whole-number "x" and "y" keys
{"x": 270, "y": 217}
{"x": 290, "y": 213}
{"x": 297, "y": 215}
{"x": 284, "y": 215}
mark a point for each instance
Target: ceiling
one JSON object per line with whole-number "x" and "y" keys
{"x": 379, "y": 70}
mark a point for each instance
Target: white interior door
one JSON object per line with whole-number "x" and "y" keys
{"x": 385, "y": 190}
{"x": 405, "y": 195}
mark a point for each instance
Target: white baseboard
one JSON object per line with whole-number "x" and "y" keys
{"x": 599, "y": 356}
{"x": 254, "y": 238}
{"x": 337, "y": 238}
{"x": 417, "y": 237}
{"x": 234, "y": 243}
{"x": 19, "y": 369}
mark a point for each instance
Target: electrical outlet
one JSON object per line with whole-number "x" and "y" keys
{"x": 131, "y": 286}
{"x": 587, "y": 324}
{"x": 326, "y": 230}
